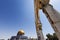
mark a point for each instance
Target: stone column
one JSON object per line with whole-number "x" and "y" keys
{"x": 54, "y": 18}
{"x": 37, "y": 21}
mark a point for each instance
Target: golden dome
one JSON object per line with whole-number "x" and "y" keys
{"x": 21, "y": 32}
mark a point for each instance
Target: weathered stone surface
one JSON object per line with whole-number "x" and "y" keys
{"x": 43, "y": 3}
{"x": 54, "y": 18}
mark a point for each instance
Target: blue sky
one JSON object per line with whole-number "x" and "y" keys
{"x": 19, "y": 14}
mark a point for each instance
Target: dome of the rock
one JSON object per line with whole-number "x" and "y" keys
{"x": 21, "y": 32}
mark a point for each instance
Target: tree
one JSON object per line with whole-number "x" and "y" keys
{"x": 51, "y": 37}
{"x": 54, "y": 36}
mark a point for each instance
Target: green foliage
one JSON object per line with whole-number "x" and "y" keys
{"x": 51, "y": 37}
